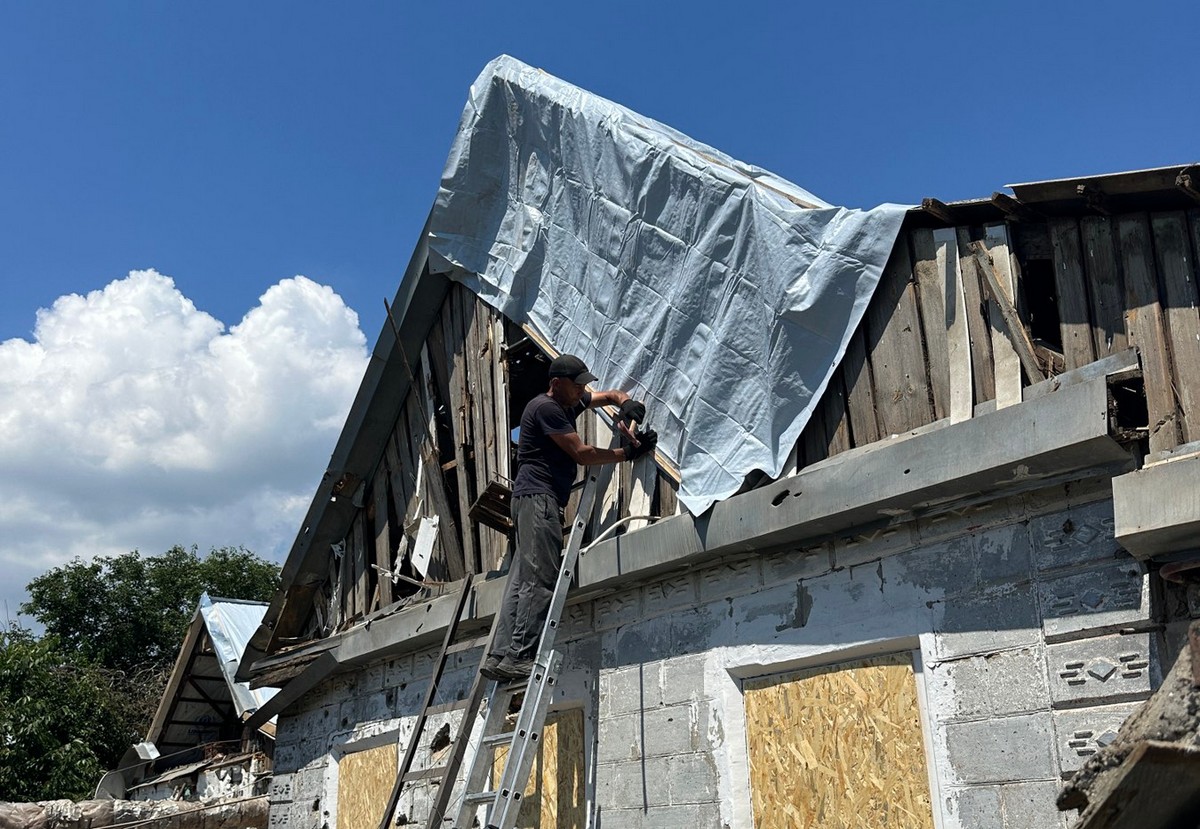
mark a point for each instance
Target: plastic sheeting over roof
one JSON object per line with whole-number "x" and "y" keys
{"x": 721, "y": 295}
{"x": 230, "y": 625}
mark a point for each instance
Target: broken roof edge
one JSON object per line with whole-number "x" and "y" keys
{"x": 359, "y": 446}
{"x": 227, "y": 624}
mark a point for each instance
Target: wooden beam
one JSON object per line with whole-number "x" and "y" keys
{"x": 1104, "y": 286}
{"x": 983, "y": 372}
{"x": 1074, "y": 321}
{"x": 1001, "y": 283}
{"x": 958, "y": 337}
{"x": 931, "y": 299}
{"x": 1146, "y": 330}
{"x": 1016, "y": 210}
{"x": 1177, "y": 273}
{"x": 895, "y": 349}
{"x": 1158, "y": 784}
{"x": 1018, "y": 337}
{"x": 1188, "y": 181}
{"x": 939, "y": 209}
{"x": 383, "y": 538}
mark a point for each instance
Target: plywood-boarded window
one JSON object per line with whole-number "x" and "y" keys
{"x": 838, "y": 746}
{"x": 555, "y": 797}
{"x": 365, "y": 780}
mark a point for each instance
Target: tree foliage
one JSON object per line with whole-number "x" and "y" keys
{"x": 62, "y": 722}
{"x": 129, "y": 613}
{"x": 74, "y": 700}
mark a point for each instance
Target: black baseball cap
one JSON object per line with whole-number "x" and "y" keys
{"x": 570, "y": 366}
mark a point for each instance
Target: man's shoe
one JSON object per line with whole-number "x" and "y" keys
{"x": 491, "y": 668}
{"x": 513, "y": 669}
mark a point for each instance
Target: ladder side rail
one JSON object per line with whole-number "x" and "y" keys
{"x": 476, "y": 779}
{"x": 466, "y": 728}
{"x": 430, "y": 693}
{"x": 534, "y": 706}
{"x": 527, "y": 741}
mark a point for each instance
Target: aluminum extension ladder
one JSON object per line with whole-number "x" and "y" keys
{"x": 503, "y": 803}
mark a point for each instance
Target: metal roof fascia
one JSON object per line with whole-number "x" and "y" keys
{"x": 361, "y": 442}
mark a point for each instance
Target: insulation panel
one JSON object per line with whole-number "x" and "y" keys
{"x": 838, "y": 746}
{"x": 365, "y": 780}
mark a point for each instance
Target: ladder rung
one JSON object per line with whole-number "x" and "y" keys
{"x": 425, "y": 774}
{"x": 498, "y": 739}
{"x": 446, "y": 707}
{"x": 468, "y": 644}
{"x": 479, "y": 798}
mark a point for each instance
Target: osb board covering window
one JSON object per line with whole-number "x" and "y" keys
{"x": 365, "y": 780}
{"x": 838, "y": 746}
{"x": 554, "y": 796}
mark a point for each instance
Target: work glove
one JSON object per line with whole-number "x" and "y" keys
{"x": 633, "y": 410}
{"x": 647, "y": 440}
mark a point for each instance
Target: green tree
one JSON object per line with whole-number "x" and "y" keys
{"x": 129, "y": 613}
{"x": 62, "y": 723}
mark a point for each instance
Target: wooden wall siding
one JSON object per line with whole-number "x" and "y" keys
{"x": 933, "y": 345}
{"x": 1146, "y": 327}
{"x": 1004, "y": 353}
{"x": 1176, "y": 267}
{"x": 450, "y": 439}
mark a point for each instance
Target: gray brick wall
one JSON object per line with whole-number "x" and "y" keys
{"x": 1035, "y": 643}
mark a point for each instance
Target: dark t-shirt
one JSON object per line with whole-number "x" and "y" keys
{"x": 543, "y": 468}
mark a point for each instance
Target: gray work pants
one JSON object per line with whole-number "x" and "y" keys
{"x": 537, "y": 524}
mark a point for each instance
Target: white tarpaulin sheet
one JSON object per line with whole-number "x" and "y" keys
{"x": 722, "y": 296}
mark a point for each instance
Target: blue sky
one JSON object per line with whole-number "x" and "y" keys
{"x": 230, "y": 145}
{"x": 209, "y": 202}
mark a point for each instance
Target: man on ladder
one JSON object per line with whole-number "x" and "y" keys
{"x": 549, "y": 452}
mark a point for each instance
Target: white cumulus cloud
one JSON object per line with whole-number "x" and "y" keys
{"x": 135, "y": 420}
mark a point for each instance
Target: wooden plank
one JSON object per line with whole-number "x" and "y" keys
{"x": 500, "y": 387}
{"x": 836, "y": 417}
{"x": 449, "y": 533}
{"x": 345, "y": 586}
{"x": 1074, "y": 321}
{"x": 977, "y": 323}
{"x": 958, "y": 337}
{"x": 1177, "y": 271}
{"x": 397, "y": 476}
{"x": 895, "y": 350}
{"x": 1011, "y": 327}
{"x": 1146, "y": 330}
{"x": 362, "y": 573}
{"x": 860, "y": 395}
{"x": 838, "y": 746}
{"x": 1004, "y": 351}
{"x": 812, "y": 442}
{"x": 383, "y": 537}
{"x": 495, "y": 541}
{"x": 453, "y": 342}
{"x": 931, "y": 287}
{"x": 1104, "y": 286}
{"x": 668, "y": 498}
{"x": 1157, "y": 785}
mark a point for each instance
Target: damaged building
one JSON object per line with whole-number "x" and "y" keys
{"x": 198, "y": 748}
{"x": 899, "y": 558}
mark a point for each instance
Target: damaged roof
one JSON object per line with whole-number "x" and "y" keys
{"x": 203, "y": 698}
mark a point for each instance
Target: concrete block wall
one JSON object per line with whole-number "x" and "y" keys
{"x": 1032, "y": 634}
